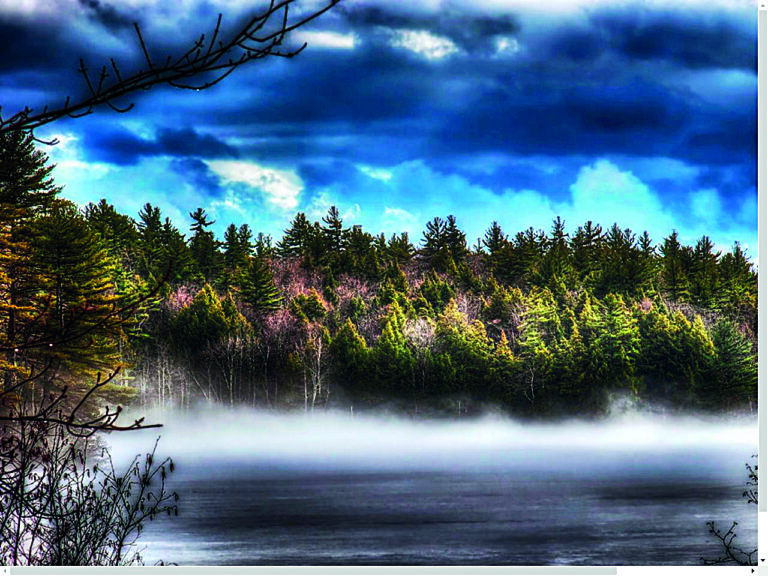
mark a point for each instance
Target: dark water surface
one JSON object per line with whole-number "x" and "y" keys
{"x": 461, "y": 500}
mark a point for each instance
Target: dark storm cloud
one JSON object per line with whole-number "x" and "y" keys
{"x": 715, "y": 42}
{"x": 692, "y": 40}
{"x": 400, "y": 106}
{"x": 320, "y": 174}
{"x": 39, "y": 47}
{"x": 107, "y": 15}
{"x": 119, "y": 146}
{"x": 610, "y": 83}
{"x": 197, "y": 173}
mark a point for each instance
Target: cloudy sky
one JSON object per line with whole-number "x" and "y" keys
{"x": 643, "y": 113}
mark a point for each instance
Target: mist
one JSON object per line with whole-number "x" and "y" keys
{"x": 215, "y": 440}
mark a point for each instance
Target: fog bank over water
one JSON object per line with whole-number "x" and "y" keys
{"x": 211, "y": 439}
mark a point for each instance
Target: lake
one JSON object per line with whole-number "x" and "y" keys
{"x": 261, "y": 488}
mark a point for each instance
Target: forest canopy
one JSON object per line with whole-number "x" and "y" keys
{"x": 537, "y": 322}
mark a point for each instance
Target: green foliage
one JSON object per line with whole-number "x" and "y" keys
{"x": 549, "y": 322}
{"x": 309, "y": 307}
{"x": 25, "y": 175}
{"x": 391, "y": 358}
{"x": 200, "y": 324}
{"x": 469, "y": 348}
{"x": 296, "y": 239}
{"x": 676, "y": 354}
{"x": 203, "y": 246}
{"x": 676, "y": 268}
{"x": 436, "y": 292}
{"x": 350, "y": 354}
{"x": 257, "y": 287}
{"x": 75, "y": 273}
{"x": 444, "y": 244}
{"x": 732, "y": 380}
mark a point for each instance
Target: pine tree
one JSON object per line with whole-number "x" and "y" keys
{"x": 235, "y": 254}
{"x": 26, "y": 191}
{"x": 470, "y": 349}
{"x": 436, "y": 292}
{"x": 494, "y": 239}
{"x": 616, "y": 345}
{"x": 586, "y": 247}
{"x": 350, "y": 356}
{"x": 257, "y": 287}
{"x": 296, "y": 238}
{"x": 732, "y": 382}
{"x": 76, "y": 274}
{"x": 117, "y": 232}
{"x": 333, "y": 232}
{"x": 310, "y": 307}
{"x": 675, "y": 268}
{"x": 203, "y": 246}
{"x": 199, "y": 325}
{"x": 518, "y": 261}
{"x": 393, "y": 363}
{"x": 25, "y": 175}
{"x": 399, "y": 249}
{"x": 704, "y": 276}
{"x": 555, "y": 270}
{"x": 263, "y": 246}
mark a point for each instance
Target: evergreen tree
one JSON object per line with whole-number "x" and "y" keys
{"x": 469, "y": 349}
{"x": 236, "y": 248}
{"x": 26, "y": 191}
{"x": 399, "y": 249}
{"x": 732, "y": 382}
{"x": 309, "y": 307}
{"x": 257, "y": 287}
{"x": 555, "y": 270}
{"x": 296, "y": 238}
{"x": 350, "y": 356}
{"x": 616, "y": 345}
{"x": 675, "y": 269}
{"x": 494, "y": 239}
{"x": 25, "y": 175}
{"x": 436, "y": 292}
{"x": 359, "y": 246}
{"x": 117, "y": 232}
{"x": 704, "y": 276}
{"x": 586, "y": 247}
{"x": 333, "y": 232}
{"x": 518, "y": 262}
{"x": 75, "y": 273}
{"x": 393, "y": 363}
{"x": 263, "y": 246}
{"x": 203, "y": 246}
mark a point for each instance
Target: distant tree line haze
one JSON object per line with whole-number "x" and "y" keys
{"x": 538, "y": 323}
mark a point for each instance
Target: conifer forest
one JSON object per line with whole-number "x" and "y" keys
{"x": 534, "y": 323}
{"x": 409, "y": 283}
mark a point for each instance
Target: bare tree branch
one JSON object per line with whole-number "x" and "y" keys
{"x": 205, "y": 64}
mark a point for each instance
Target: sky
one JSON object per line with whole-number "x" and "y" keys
{"x": 639, "y": 113}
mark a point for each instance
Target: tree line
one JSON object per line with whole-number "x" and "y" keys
{"x": 540, "y": 322}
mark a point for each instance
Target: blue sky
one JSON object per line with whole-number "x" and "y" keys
{"x": 641, "y": 113}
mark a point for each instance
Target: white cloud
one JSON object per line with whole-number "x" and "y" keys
{"x": 323, "y": 39}
{"x": 280, "y": 188}
{"x": 396, "y": 220}
{"x": 376, "y": 173}
{"x": 506, "y": 45}
{"x": 603, "y": 193}
{"x": 423, "y": 43}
